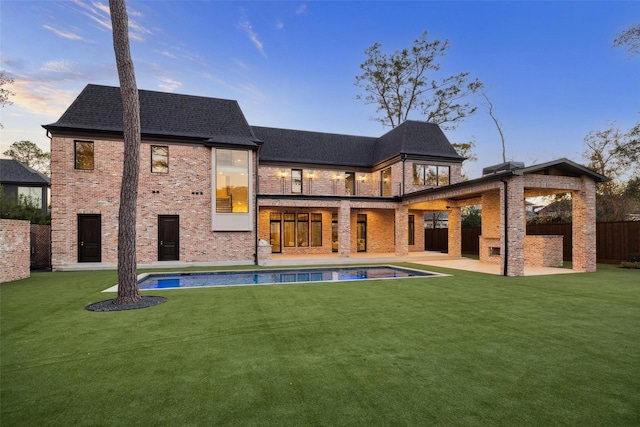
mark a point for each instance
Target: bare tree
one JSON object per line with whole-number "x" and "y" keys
{"x": 128, "y": 292}
{"x": 616, "y": 155}
{"x": 490, "y": 109}
{"x": 398, "y": 85}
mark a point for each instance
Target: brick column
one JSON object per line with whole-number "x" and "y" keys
{"x": 455, "y": 232}
{"x": 584, "y": 226}
{"x": 402, "y": 230}
{"x": 344, "y": 229}
{"x": 491, "y": 226}
{"x": 514, "y": 243}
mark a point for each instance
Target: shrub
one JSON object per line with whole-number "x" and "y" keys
{"x": 630, "y": 264}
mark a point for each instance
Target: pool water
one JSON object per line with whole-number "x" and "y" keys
{"x": 266, "y": 277}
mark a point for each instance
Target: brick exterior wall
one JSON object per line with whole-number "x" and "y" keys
{"x": 14, "y": 250}
{"x": 332, "y": 181}
{"x": 543, "y": 251}
{"x": 584, "y": 226}
{"x": 184, "y": 191}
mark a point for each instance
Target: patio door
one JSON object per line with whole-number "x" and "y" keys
{"x": 89, "y": 238}
{"x": 276, "y": 236}
{"x": 362, "y": 233}
{"x": 168, "y": 237}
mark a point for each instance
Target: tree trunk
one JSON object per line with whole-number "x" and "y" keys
{"x": 127, "y": 278}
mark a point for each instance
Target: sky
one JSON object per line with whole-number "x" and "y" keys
{"x": 549, "y": 67}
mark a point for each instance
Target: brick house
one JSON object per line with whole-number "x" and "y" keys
{"x": 212, "y": 186}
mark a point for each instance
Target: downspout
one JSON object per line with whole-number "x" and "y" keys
{"x": 506, "y": 226}
{"x": 404, "y": 159}
{"x": 255, "y": 203}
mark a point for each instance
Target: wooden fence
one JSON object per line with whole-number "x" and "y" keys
{"x": 615, "y": 241}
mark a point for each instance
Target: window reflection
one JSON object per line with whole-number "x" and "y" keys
{"x": 84, "y": 155}
{"x": 159, "y": 159}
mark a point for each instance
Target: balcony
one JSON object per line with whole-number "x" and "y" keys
{"x": 323, "y": 186}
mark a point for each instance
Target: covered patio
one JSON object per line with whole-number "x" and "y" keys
{"x": 502, "y": 192}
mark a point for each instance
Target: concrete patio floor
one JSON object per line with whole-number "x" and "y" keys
{"x": 436, "y": 259}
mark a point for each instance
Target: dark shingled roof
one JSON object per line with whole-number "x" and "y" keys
{"x": 415, "y": 138}
{"x": 411, "y": 138}
{"x": 14, "y": 172}
{"x": 285, "y": 145}
{"x": 218, "y": 121}
{"x": 99, "y": 108}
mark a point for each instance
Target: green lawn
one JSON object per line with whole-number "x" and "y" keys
{"x": 471, "y": 349}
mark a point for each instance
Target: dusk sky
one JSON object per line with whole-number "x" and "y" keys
{"x": 549, "y": 67}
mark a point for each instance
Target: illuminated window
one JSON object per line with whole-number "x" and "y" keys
{"x": 289, "y": 230}
{"x": 159, "y": 159}
{"x": 84, "y": 155}
{"x": 385, "y": 182}
{"x": 232, "y": 181}
{"x": 303, "y": 230}
{"x": 296, "y": 180}
{"x": 316, "y": 229}
{"x": 349, "y": 183}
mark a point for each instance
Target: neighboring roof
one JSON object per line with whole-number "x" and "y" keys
{"x": 285, "y": 145}
{"x": 99, "y": 108}
{"x": 14, "y": 172}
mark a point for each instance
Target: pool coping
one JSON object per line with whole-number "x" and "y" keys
{"x": 142, "y": 276}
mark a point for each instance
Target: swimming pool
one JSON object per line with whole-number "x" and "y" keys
{"x": 273, "y": 276}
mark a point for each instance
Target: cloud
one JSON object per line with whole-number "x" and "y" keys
{"x": 61, "y": 66}
{"x": 251, "y": 90}
{"x": 63, "y": 34}
{"x": 168, "y": 84}
{"x": 40, "y": 97}
{"x": 279, "y": 25}
{"x": 101, "y": 14}
{"x": 302, "y": 9}
{"x": 168, "y": 54}
{"x": 245, "y": 26}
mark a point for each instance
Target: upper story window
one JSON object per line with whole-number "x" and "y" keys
{"x": 83, "y": 155}
{"x": 431, "y": 175}
{"x": 349, "y": 183}
{"x": 159, "y": 159}
{"x": 296, "y": 180}
{"x": 385, "y": 182}
{"x": 232, "y": 181}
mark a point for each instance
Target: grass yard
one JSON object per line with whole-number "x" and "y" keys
{"x": 471, "y": 349}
